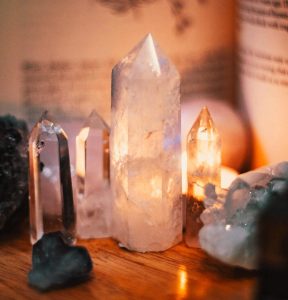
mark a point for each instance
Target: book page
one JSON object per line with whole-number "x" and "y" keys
{"x": 263, "y": 74}
{"x": 58, "y": 55}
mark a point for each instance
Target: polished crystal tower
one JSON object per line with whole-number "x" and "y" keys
{"x": 93, "y": 179}
{"x": 203, "y": 167}
{"x": 145, "y": 150}
{"x": 50, "y": 188}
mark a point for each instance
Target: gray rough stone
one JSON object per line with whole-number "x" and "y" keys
{"x": 56, "y": 264}
{"x": 13, "y": 170}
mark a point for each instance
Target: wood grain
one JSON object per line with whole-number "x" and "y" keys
{"x": 178, "y": 273}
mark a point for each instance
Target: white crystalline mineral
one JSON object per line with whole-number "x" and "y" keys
{"x": 145, "y": 150}
{"x": 93, "y": 179}
{"x": 230, "y": 220}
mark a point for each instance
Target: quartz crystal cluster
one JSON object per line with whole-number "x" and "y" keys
{"x": 50, "y": 188}
{"x": 145, "y": 150}
{"x": 231, "y": 218}
{"x": 93, "y": 179}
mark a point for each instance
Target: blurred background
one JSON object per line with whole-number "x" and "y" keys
{"x": 58, "y": 55}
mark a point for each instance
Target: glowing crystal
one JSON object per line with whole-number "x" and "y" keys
{"x": 145, "y": 150}
{"x": 203, "y": 167}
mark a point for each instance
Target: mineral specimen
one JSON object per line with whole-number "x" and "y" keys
{"x": 13, "y": 169}
{"x": 93, "y": 179}
{"x": 203, "y": 154}
{"x": 203, "y": 166}
{"x": 230, "y": 231}
{"x": 50, "y": 191}
{"x": 56, "y": 264}
{"x": 145, "y": 150}
{"x": 234, "y": 138}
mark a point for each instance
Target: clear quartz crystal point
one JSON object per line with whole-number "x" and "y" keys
{"x": 203, "y": 154}
{"x": 203, "y": 167}
{"x": 50, "y": 188}
{"x": 93, "y": 179}
{"x": 145, "y": 150}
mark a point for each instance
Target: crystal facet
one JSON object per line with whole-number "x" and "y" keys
{"x": 145, "y": 150}
{"x": 50, "y": 188}
{"x": 203, "y": 167}
{"x": 93, "y": 179}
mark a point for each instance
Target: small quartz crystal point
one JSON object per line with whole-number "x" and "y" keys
{"x": 56, "y": 264}
{"x": 203, "y": 167}
{"x": 93, "y": 179}
{"x": 50, "y": 188}
{"x": 145, "y": 150}
{"x": 203, "y": 154}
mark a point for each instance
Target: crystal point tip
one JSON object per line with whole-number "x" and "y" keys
{"x": 204, "y": 119}
{"x": 46, "y": 117}
{"x": 147, "y": 52}
{"x": 96, "y": 121}
{"x": 204, "y": 127}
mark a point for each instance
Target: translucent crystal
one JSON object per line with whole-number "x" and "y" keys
{"x": 230, "y": 228}
{"x": 50, "y": 188}
{"x": 93, "y": 179}
{"x": 145, "y": 150}
{"x": 203, "y": 167}
{"x": 203, "y": 154}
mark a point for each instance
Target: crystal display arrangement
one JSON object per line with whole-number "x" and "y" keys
{"x": 145, "y": 150}
{"x": 50, "y": 188}
{"x": 203, "y": 167}
{"x": 93, "y": 179}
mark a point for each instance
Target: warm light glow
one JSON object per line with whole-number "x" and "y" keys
{"x": 204, "y": 134}
{"x": 156, "y": 187}
{"x": 80, "y": 156}
{"x": 182, "y": 281}
{"x": 203, "y": 155}
{"x": 198, "y": 191}
{"x": 184, "y": 172}
{"x": 227, "y": 176}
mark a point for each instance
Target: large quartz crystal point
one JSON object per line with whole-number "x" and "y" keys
{"x": 145, "y": 150}
{"x": 50, "y": 188}
{"x": 230, "y": 231}
{"x": 93, "y": 179}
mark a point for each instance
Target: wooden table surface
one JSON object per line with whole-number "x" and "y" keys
{"x": 178, "y": 273}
